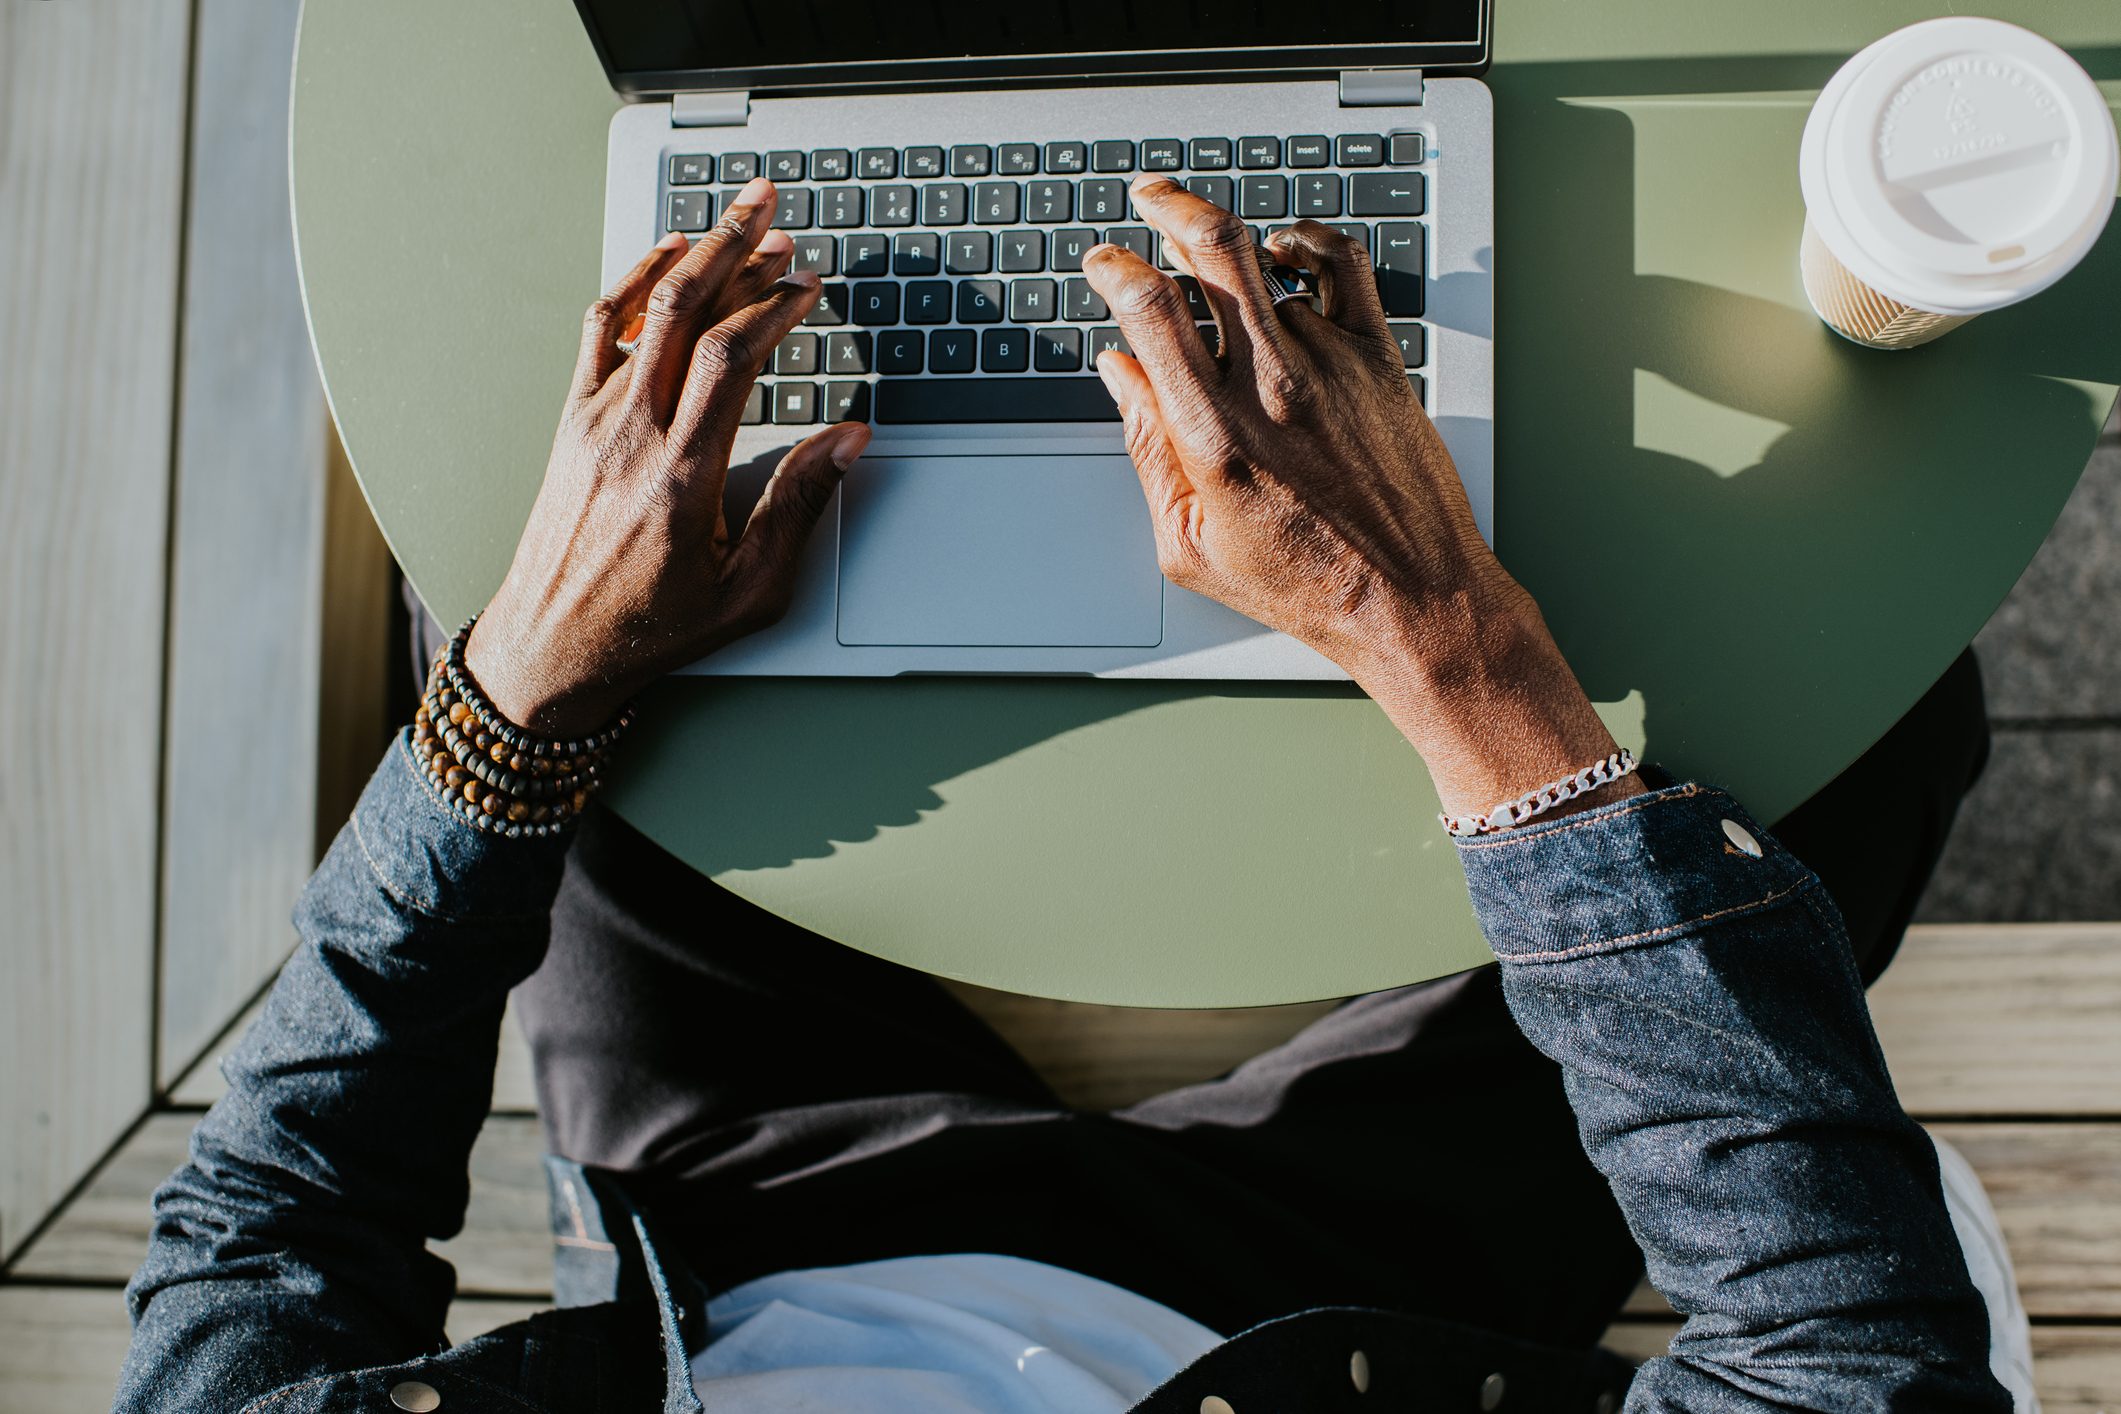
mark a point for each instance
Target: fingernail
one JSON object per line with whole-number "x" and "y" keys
{"x": 1111, "y": 386}
{"x": 849, "y": 447}
{"x": 754, "y": 192}
{"x": 776, "y": 242}
{"x": 674, "y": 241}
{"x": 801, "y": 279}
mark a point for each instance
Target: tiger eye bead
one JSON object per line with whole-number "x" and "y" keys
{"x": 498, "y": 752}
{"x": 539, "y": 814}
{"x": 581, "y": 799}
{"x": 519, "y": 812}
{"x": 457, "y": 711}
{"x": 473, "y": 789}
{"x": 491, "y": 803}
{"x": 455, "y": 777}
{"x": 516, "y": 763}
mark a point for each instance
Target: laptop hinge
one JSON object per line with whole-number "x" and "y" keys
{"x": 1380, "y": 88}
{"x": 728, "y": 108}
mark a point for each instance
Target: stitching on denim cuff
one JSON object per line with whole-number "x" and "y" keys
{"x": 1650, "y": 935}
{"x": 1556, "y": 828}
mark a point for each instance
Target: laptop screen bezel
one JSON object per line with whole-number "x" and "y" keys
{"x": 1046, "y": 69}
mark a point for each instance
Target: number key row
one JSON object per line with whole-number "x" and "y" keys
{"x": 1027, "y": 159}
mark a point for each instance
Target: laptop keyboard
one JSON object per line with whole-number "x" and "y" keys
{"x": 937, "y": 262}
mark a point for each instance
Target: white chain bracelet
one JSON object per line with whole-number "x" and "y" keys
{"x": 1538, "y": 802}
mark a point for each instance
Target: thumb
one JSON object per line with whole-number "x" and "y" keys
{"x": 796, "y": 495}
{"x": 1164, "y": 481}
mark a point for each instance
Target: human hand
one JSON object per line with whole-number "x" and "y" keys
{"x": 1295, "y": 477}
{"x": 627, "y": 568}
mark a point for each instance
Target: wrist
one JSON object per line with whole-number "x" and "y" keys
{"x": 541, "y": 690}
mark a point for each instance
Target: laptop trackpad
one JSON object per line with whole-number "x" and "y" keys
{"x": 1019, "y": 551}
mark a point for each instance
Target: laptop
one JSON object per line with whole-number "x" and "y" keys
{"x": 943, "y": 168}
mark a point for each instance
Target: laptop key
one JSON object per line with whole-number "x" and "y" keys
{"x": 794, "y": 403}
{"x": 1413, "y": 341}
{"x": 1031, "y": 399}
{"x": 689, "y": 211}
{"x": 1400, "y": 276}
{"x": 1208, "y": 154}
{"x": 928, "y": 301}
{"x": 865, "y": 255}
{"x": 791, "y": 208}
{"x": 1420, "y": 385}
{"x": 974, "y": 159}
{"x": 943, "y": 204}
{"x": 696, "y": 170}
{"x": 831, "y": 164}
{"x": 1080, "y": 303}
{"x": 1216, "y": 191}
{"x": 1196, "y": 301}
{"x": 736, "y": 168}
{"x": 968, "y": 253}
{"x": 1069, "y": 245}
{"x": 1139, "y": 239}
{"x": 1031, "y": 301}
{"x": 1407, "y": 149}
{"x": 916, "y": 253}
{"x": 1113, "y": 156}
{"x": 833, "y": 303}
{"x": 949, "y": 351}
{"x": 996, "y": 203}
{"x": 1005, "y": 350}
{"x": 1355, "y": 231}
{"x": 1017, "y": 159}
{"x": 923, "y": 162}
{"x": 979, "y": 302}
{"x": 1023, "y": 252}
{"x": 1359, "y": 149}
{"x": 1048, "y": 201}
{"x": 1101, "y": 199}
{"x": 891, "y": 205}
{"x": 754, "y": 406}
{"x": 1101, "y": 338}
{"x": 1312, "y": 150}
{"x": 845, "y": 402}
{"x": 848, "y": 352}
{"x": 1067, "y": 157}
{"x": 876, "y": 302}
{"x": 784, "y": 166}
{"x": 1263, "y": 197}
{"x": 1162, "y": 154}
{"x": 1056, "y": 350}
{"x": 796, "y": 353}
{"x": 877, "y": 163}
{"x": 1387, "y": 194}
{"x": 899, "y": 351}
{"x": 839, "y": 206}
{"x": 1318, "y": 194}
{"x": 817, "y": 254}
{"x": 1254, "y": 153}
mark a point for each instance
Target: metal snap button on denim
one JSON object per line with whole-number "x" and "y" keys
{"x": 1216, "y": 1404}
{"x": 1740, "y": 836}
{"x": 414, "y": 1397}
{"x": 1607, "y": 1403}
{"x": 1359, "y": 1372}
{"x": 1491, "y": 1393}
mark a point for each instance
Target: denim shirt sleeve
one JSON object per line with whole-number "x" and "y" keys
{"x": 292, "y": 1242}
{"x": 1705, "y": 1009}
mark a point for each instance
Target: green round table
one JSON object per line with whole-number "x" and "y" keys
{"x": 1757, "y": 544}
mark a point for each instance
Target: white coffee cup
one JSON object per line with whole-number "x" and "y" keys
{"x": 1952, "y": 168}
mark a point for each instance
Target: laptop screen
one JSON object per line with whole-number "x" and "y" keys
{"x": 652, "y": 47}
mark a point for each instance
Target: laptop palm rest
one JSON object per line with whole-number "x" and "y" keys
{"x": 997, "y": 551}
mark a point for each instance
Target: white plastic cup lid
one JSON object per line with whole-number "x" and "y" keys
{"x": 1960, "y": 165}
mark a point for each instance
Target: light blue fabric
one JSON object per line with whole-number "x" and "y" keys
{"x": 968, "y": 1334}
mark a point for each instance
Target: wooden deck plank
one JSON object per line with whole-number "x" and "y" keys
{"x": 2004, "y": 1020}
{"x": 246, "y": 567}
{"x": 63, "y": 1348}
{"x": 92, "y": 116}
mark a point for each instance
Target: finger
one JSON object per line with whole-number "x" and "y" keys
{"x": 1151, "y": 311}
{"x": 1340, "y": 265}
{"x": 788, "y": 511}
{"x": 1216, "y": 247}
{"x": 768, "y": 262}
{"x": 1174, "y": 505}
{"x": 727, "y": 358}
{"x": 610, "y": 317}
{"x": 680, "y": 302}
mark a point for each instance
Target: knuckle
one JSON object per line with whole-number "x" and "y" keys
{"x": 716, "y": 355}
{"x": 1216, "y": 230}
{"x": 670, "y": 298}
{"x": 1148, "y": 297}
{"x": 603, "y": 312}
{"x": 1287, "y": 394}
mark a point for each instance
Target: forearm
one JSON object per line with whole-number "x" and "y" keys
{"x": 297, "y": 1231}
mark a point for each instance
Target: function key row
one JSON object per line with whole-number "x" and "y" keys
{"x": 1027, "y": 159}
{"x": 1256, "y": 195}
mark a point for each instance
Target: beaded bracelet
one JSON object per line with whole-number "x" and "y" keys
{"x": 491, "y": 773}
{"x": 1540, "y": 801}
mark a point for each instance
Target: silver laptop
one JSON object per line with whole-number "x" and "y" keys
{"x": 943, "y": 167}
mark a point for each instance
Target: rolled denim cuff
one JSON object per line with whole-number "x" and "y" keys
{"x": 1650, "y": 869}
{"x": 435, "y": 863}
